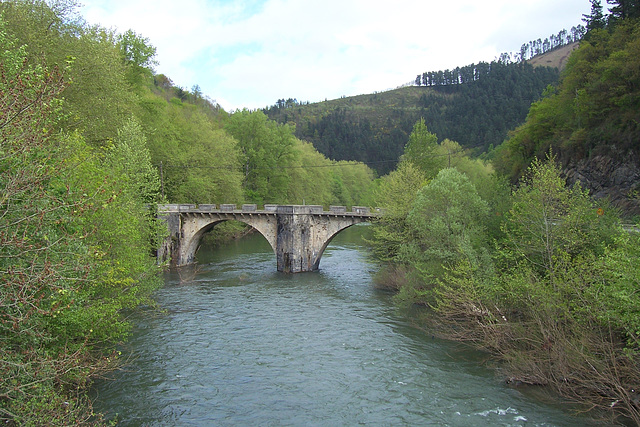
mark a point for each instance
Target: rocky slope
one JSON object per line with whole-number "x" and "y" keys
{"x": 614, "y": 178}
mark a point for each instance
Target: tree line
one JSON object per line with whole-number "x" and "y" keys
{"x": 374, "y": 128}
{"x": 584, "y": 117}
{"x": 473, "y": 72}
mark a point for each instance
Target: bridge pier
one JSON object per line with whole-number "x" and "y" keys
{"x": 297, "y": 234}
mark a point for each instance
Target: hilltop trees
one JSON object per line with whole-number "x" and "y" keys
{"x": 623, "y": 9}
{"x": 596, "y": 19}
{"x": 477, "y": 109}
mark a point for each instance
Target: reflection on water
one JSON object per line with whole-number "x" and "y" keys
{"x": 240, "y": 344}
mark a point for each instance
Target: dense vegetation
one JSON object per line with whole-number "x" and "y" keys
{"x": 74, "y": 242}
{"x": 541, "y": 276}
{"x": 90, "y": 141}
{"x": 475, "y": 105}
{"x": 595, "y": 110}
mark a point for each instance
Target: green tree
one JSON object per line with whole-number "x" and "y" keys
{"x": 138, "y": 55}
{"x": 310, "y": 174}
{"x": 98, "y": 97}
{"x": 395, "y": 196}
{"x": 594, "y": 110}
{"x": 420, "y": 150}
{"x": 67, "y": 268}
{"x": 561, "y": 304}
{"x": 596, "y": 19}
{"x": 200, "y": 163}
{"x": 132, "y": 158}
{"x": 623, "y": 9}
{"x": 266, "y": 151}
{"x": 549, "y": 222}
{"x": 446, "y": 226}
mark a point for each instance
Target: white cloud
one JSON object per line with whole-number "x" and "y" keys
{"x": 251, "y": 53}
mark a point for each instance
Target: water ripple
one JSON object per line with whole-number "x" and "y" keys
{"x": 242, "y": 345}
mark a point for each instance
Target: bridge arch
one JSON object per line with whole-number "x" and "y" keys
{"x": 197, "y": 226}
{"x": 316, "y": 265}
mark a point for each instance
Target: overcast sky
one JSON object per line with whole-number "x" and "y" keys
{"x": 250, "y": 53}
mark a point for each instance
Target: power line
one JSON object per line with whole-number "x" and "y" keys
{"x": 333, "y": 165}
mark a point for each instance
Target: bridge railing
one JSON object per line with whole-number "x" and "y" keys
{"x": 268, "y": 208}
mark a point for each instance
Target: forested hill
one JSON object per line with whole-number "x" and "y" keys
{"x": 374, "y": 128}
{"x": 591, "y": 121}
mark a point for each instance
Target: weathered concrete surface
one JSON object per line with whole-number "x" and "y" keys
{"x": 298, "y": 234}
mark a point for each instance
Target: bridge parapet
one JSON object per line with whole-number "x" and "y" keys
{"x": 267, "y": 209}
{"x": 207, "y": 208}
{"x": 361, "y": 210}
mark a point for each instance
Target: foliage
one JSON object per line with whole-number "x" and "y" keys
{"x": 549, "y": 222}
{"x": 98, "y": 99}
{"x": 199, "y": 162}
{"x": 266, "y": 150}
{"x": 445, "y": 225}
{"x": 88, "y": 141}
{"x": 559, "y": 309}
{"x": 395, "y": 196}
{"x": 138, "y": 55}
{"x": 374, "y": 128}
{"x": 594, "y": 110}
{"x": 420, "y": 150}
{"x": 314, "y": 179}
{"x": 74, "y": 248}
{"x": 423, "y": 159}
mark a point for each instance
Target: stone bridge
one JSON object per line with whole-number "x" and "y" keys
{"x": 298, "y": 234}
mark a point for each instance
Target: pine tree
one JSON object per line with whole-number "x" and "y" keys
{"x": 623, "y": 9}
{"x": 596, "y": 19}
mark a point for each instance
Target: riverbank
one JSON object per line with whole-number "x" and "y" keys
{"x": 544, "y": 278}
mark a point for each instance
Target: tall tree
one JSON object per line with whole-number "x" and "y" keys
{"x": 138, "y": 55}
{"x": 623, "y": 9}
{"x": 595, "y": 20}
{"x": 446, "y": 225}
{"x": 420, "y": 149}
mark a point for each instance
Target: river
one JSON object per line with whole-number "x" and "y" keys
{"x": 239, "y": 344}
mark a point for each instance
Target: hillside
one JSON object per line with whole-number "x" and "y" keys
{"x": 556, "y": 58}
{"x": 374, "y": 128}
{"x": 591, "y": 121}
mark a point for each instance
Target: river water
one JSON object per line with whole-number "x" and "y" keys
{"x": 240, "y": 344}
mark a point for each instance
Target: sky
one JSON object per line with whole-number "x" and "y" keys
{"x": 250, "y": 53}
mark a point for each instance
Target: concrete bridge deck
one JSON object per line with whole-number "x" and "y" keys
{"x": 298, "y": 234}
